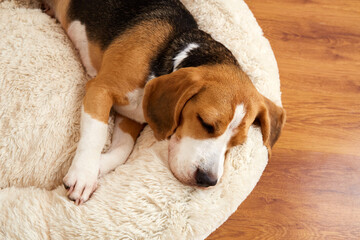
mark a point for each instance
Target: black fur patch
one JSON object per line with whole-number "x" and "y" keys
{"x": 209, "y": 52}
{"x": 105, "y": 20}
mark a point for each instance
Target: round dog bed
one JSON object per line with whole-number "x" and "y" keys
{"x": 41, "y": 88}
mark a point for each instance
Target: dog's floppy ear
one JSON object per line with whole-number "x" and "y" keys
{"x": 272, "y": 120}
{"x": 166, "y": 96}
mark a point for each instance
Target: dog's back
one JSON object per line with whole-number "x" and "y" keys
{"x": 105, "y": 20}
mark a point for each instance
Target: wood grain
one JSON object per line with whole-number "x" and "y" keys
{"x": 311, "y": 186}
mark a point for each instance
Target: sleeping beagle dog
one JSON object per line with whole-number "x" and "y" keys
{"x": 152, "y": 64}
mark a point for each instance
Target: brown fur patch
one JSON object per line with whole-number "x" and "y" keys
{"x": 97, "y": 101}
{"x": 96, "y": 55}
{"x": 165, "y": 98}
{"x": 124, "y": 67}
{"x": 215, "y": 104}
{"x": 131, "y": 127}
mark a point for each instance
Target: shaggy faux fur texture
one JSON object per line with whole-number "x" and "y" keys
{"x": 41, "y": 88}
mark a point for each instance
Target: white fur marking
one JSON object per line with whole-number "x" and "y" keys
{"x": 237, "y": 118}
{"x": 121, "y": 147}
{"x": 83, "y": 173}
{"x": 134, "y": 109}
{"x": 93, "y": 134}
{"x": 151, "y": 77}
{"x": 184, "y": 54}
{"x": 77, "y": 34}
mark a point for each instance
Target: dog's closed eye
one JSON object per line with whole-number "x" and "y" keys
{"x": 208, "y": 127}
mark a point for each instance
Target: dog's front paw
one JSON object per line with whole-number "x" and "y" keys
{"x": 81, "y": 183}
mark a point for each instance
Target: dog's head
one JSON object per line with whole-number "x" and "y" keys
{"x": 205, "y": 111}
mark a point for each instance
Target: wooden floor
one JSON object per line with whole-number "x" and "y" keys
{"x": 311, "y": 186}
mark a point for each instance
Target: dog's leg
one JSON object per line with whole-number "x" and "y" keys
{"x": 81, "y": 179}
{"x": 125, "y": 133}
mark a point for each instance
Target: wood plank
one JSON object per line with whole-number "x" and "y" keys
{"x": 301, "y": 195}
{"x": 311, "y": 186}
{"x": 322, "y": 122}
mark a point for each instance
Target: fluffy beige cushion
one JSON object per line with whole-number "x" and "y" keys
{"x": 41, "y": 88}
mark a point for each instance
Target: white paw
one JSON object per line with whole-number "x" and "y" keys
{"x": 107, "y": 164}
{"x": 81, "y": 182}
{"x": 111, "y": 160}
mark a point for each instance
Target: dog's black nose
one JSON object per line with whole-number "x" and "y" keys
{"x": 204, "y": 180}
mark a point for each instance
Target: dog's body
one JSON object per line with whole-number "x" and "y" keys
{"x": 152, "y": 64}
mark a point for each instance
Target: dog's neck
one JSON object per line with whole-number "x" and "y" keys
{"x": 192, "y": 48}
